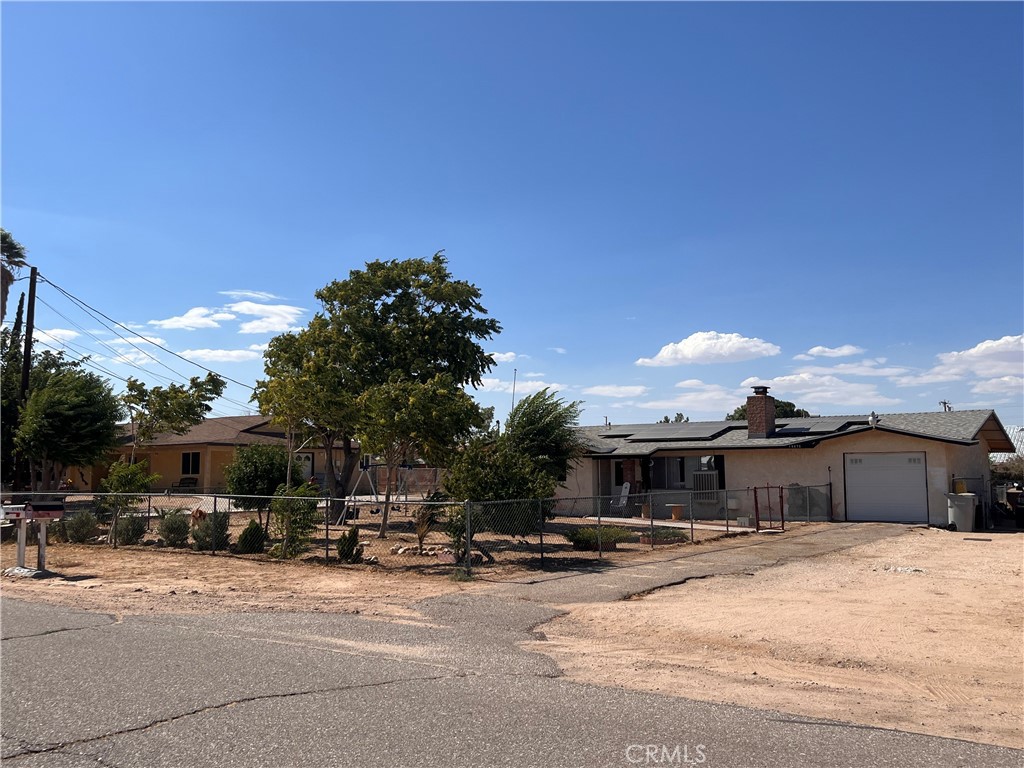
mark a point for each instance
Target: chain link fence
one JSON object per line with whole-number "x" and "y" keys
{"x": 430, "y": 536}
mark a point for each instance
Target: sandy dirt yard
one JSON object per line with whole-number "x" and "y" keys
{"x": 136, "y": 581}
{"x": 922, "y": 632}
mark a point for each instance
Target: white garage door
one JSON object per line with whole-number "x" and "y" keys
{"x": 889, "y": 487}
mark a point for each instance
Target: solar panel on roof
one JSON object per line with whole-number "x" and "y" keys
{"x": 680, "y": 432}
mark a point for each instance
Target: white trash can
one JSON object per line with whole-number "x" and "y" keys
{"x": 960, "y": 507}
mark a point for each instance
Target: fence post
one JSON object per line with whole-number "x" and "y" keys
{"x": 540, "y": 511}
{"x": 327, "y": 530}
{"x": 757, "y": 512}
{"x": 693, "y": 539}
{"x": 149, "y": 510}
{"x": 213, "y": 532}
{"x": 469, "y": 537}
{"x": 807, "y": 501}
{"x": 782, "y": 511}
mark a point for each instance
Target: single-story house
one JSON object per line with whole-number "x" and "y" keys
{"x": 895, "y": 467}
{"x": 200, "y": 456}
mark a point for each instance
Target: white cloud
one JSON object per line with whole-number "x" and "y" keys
{"x": 254, "y": 295}
{"x": 59, "y": 335}
{"x": 712, "y": 400}
{"x": 521, "y": 388}
{"x": 534, "y": 375}
{"x": 261, "y": 348}
{"x": 1004, "y": 385}
{"x": 711, "y": 347}
{"x": 867, "y": 367}
{"x": 194, "y": 319}
{"x": 558, "y": 350}
{"x": 991, "y": 359}
{"x": 504, "y": 357}
{"x": 811, "y": 391}
{"x": 222, "y": 355}
{"x": 138, "y": 340}
{"x": 843, "y": 351}
{"x": 272, "y": 318}
{"x": 614, "y": 390}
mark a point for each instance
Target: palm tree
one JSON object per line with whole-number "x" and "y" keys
{"x": 12, "y": 259}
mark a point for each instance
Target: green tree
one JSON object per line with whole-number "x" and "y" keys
{"x": 783, "y": 410}
{"x": 295, "y": 518}
{"x": 403, "y": 419}
{"x": 255, "y": 474}
{"x": 175, "y": 409}
{"x": 12, "y": 260}
{"x": 543, "y": 427}
{"x": 394, "y": 319}
{"x": 69, "y": 419}
{"x": 127, "y": 483}
{"x": 11, "y": 357}
{"x": 677, "y": 419}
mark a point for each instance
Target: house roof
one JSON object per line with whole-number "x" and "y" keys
{"x": 959, "y": 427}
{"x": 226, "y": 430}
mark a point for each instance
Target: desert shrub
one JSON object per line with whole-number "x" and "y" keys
{"x": 666, "y": 535}
{"x": 455, "y": 525}
{"x": 349, "y": 550}
{"x": 609, "y": 535}
{"x": 174, "y": 528}
{"x": 130, "y": 529}
{"x": 80, "y": 527}
{"x": 426, "y": 519}
{"x": 212, "y": 532}
{"x": 252, "y": 540}
{"x": 256, "y": 473}
{"x": 295, "y": 517}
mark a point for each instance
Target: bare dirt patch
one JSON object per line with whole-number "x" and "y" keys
{"x": 136, "y": 580}
{"x": 921, "y": 632}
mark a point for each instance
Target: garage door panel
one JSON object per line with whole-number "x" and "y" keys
{"x": 888, "y": 487}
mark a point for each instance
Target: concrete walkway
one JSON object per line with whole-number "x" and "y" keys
{"x": 612, "y": 580}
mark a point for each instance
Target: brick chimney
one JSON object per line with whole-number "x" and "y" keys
{"x": 760, "y": 413}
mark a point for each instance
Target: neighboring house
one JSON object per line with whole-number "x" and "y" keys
{"x": 891, "y": 467}
{"x": 200, "y": 456}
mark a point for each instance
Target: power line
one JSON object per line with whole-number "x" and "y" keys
{"x": 92, "y": 310}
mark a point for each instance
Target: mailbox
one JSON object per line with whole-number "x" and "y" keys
{"x": 44, "y": 510}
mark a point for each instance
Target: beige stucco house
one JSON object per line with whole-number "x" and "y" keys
{"x": 891, "y": 467}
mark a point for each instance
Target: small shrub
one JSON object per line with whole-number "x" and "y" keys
{"x": 609, "y": 535}
{"x": 80, "y": 527}
{"x": 426, "y": 519}
{"x": 295, "y": 517}
{"x": 130, "y": 529}
{"x": 349, "y": 550}
{"x": 252, "y": 540}
{"x": 212, "y": 532}
{"x": 174, "y": 528}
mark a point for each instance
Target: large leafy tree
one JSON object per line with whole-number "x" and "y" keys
{"x": 402, "y": 419}
{"x": 393, "y": 321}
{"x": 783, "y": 410}
{"x": 12, "y": 260}
{"x": 282, "y": 395}
{"x": 255, "y": 475}
{"x": 175, "y": 408}
{"x": 70, "y": 419}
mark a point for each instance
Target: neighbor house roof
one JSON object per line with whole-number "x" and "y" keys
{"x": 225, "y": 430}
{"x": 960, "y": 427}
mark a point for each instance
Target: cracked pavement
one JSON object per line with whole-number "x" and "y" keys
{"x": 453, "y": 688}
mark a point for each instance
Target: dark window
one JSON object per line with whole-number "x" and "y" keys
{"x": 190, "y": 463}
{"x": 618, "y": 473}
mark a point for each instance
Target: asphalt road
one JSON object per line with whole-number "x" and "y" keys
{"x": 314, "y": 689}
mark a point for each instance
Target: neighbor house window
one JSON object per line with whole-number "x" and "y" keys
{"x": 618, "y": 473}
{"x": 190, "y": 463}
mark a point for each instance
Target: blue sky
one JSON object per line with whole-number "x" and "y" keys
{"x": 661, "y": 203}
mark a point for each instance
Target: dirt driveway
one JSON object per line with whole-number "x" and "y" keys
{"x": 921, "y": 632}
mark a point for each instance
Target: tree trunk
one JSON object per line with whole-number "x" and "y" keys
{"x": 383, "y": 533}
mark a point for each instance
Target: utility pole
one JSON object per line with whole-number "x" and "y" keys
{"x": 26, "y": 363}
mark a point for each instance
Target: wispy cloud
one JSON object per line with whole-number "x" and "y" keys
{"x": 846, "y": 350}
{"x": 271, "y": 318}
{"x": 711, "y": 347}
{"x": 991, "y": 359}
{"x": 521, "y": 387}
{"x": 138, "y": 340}
{"x": 558, "y": 350}
{"x": 1003, "y": 385}
{"x": 534, "y": 375}
{"x": 811, "y": 391}
{"x": 865, "y": 367}
{"x": 253, "y": 295}
{"x": 194, "y": 320}
{"x": 222, "y": 355}
{"x": 711, "y": 400}
{"x": 616, "y": 390}
{"x": 58, "y": 335}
